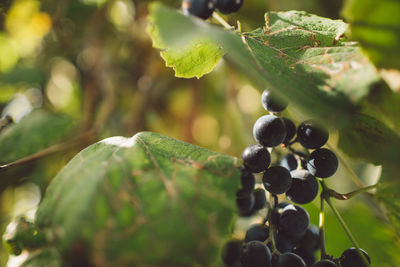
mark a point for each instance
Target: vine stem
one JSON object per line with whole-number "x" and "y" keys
{"x": 322, "y": 228}
{"x": 326, "y": 197}
{"x": 48, "y": 151}
{"x": 334, "y": 194}
{"x": 223, "y": 22}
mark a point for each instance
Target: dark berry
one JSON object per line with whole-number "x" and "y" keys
{"x": 293, "y": 222}
{"x": 257, "y": 232}
{"x": 307, "y": 256}
{"x": 231, "y": 251}
{"x": 272, "y": 102}
{"x": 311, "y": 135}
{"x": 256, "y": 158}
{"x": 290, "y": 129}
{"x": 283, "y": 243}
{"x": 260, "y": 199}
{"x": 322, "y": 163}
{"x": 277, "y": 180}
{"x": 247, "y": 179}
{"x": 199, "y": 8}
{"x": 352, "y": 258}
{"x": 269, "y": 131}
{"x": 245, "y": 202}
{"x": 304, "y": 187}
{"x": 310, "y": 239}
{"x": 228, "y": 6}
{"x": 256, "y": 254}
{"x": 289, "y": 162}
{"x": 290, "y": 259}
{"x": 277, "y": 212}
{"x": 325, "y": 263}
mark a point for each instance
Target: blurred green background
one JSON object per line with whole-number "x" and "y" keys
{"x": 86, "y": 70}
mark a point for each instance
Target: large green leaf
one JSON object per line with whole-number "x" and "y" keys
{"x": 389, "y": 194}
{"x": 37, "y": 130}
{"x": 370, "y": 139}
{"x": 144, "y": 201}
{"x": 376, "y": 25}
{"x": 298, "y": 55}
{"x": 195, "y": 59}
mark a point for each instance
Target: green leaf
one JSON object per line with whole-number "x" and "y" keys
{"x": 145, "y": 200}
{"x": 368, "y": 138}
{"x": 193, "y": 59}
{"x": 376, "y": 25}
{"x": 389, "y": 193}
{"x": 298, "y": 55}
{"x": 36, "y": 131}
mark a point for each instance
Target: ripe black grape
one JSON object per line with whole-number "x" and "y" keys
{"x": 310, "y": 239}
{"x": 322, "y": 163}
{"x": 325, "y": 263}
{"x": 277, "y": 180}
{"x": 247, "y": 179}
{"x": 311, "y": 135}
{"x": 290, "y": 259}
{"x": 259, "y": 232}
{"x": 256, "y": 158}
{"x": 351, "y": 258}
{"x": 228, "y": 6}
{"x": 245, "y": 202}
{"x": 293, "y": 221}
{"x": 289, "y": 162}
{"x": 290, "y": 129}
{"x": 269, "y": 131}
{"x": 256, "y": 254}
{"x": 199, "y": 8}
{"x": 276, "y": 213}
{"x": 304, "y": 187}
{"x": 260, "y": 199}
{"x": 272, "y": 102}
{"x": 283, "y": 243}
{"x": 307, "y": 256}
{"x": 231, "y": 252}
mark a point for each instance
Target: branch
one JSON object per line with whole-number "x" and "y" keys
{"x": 326, "y": 197}
{"x": 48, "y": 151}
{"x": 332, "y": 193}
{"x": 221, "y": 21}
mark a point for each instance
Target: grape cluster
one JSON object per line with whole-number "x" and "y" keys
{"x": 285, "y": 238}
{"x": 204, "y": 8}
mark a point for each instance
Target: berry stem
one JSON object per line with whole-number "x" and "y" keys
{"x": 297, "y": 153}
{"x": 327, "y": 198}
{"x": 223, "y": 22}
{"x": 334, "y": 194}
{"x": 272, "y": 230}
{"x": 322, "y": 228}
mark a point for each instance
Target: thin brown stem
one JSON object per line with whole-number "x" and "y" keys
{"x": 334, "y": 194}
{"x": 48, "y": 151}
{"x": 327, "y": 198}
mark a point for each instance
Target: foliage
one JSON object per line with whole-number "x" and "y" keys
{"x": 98, "y": 76}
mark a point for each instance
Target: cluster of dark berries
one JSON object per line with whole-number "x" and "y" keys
{"x": 285, "y": 238}
{"x": 204, "y": 8}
